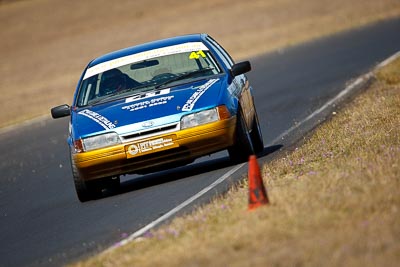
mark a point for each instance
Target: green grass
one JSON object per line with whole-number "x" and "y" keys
{"x": 334, "y": 201}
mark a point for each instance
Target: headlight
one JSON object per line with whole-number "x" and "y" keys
{"x": 199, "y": 118}
{"x": 99, "y": 141}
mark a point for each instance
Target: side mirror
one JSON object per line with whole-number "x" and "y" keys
{"x": 60, "y": 111}
{"x": 240, "y": 68}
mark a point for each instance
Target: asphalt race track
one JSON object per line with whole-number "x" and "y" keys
{"x": 42, "y": 223}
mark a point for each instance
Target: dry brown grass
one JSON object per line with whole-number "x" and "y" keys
{"x": 45, "y": 44}
{"x": 335, "y": 201}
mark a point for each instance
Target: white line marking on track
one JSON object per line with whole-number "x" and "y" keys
{"x": 389, "y": 60}
{"x": 176, "y": 209}
{"x": 347, "y": 90}
{"x": 184, "y": 204}
{"x": 344, "y": 92}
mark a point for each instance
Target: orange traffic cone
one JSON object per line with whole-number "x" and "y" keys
{"x": 257, "y": 193}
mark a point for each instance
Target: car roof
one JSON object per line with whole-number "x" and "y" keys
{"x": 148, "y": 46}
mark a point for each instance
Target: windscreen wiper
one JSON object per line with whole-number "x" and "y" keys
{"x": 183, "y": 76}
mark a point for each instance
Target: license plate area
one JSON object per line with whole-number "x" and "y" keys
{"x": 150, "y": 146}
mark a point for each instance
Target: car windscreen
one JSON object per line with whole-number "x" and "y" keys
{"x": 146, "y": 72}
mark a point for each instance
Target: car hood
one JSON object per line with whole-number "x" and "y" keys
{"x": 147, "y": 110}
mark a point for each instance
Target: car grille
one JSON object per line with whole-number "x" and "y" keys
{"x": 151, "y": 132}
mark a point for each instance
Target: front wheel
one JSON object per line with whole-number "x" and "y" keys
{"x": 82, "y": 188}
{"x": 243, "y": 146}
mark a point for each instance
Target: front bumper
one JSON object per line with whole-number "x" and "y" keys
{"x": 158, "y": 151}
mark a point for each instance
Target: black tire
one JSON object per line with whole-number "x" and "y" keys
{"x": 256, "y": 136}
{"x": 82, "y": 187}
{"x": 243, "y": 146}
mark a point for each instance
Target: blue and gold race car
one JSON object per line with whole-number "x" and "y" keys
{"x": 156, "y": 106}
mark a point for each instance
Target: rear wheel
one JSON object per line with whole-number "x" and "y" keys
{"x": 256, "y": 136}
{"x": 243, "y": 146}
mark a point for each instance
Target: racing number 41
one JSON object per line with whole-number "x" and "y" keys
{"x": 196, "y": 55}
